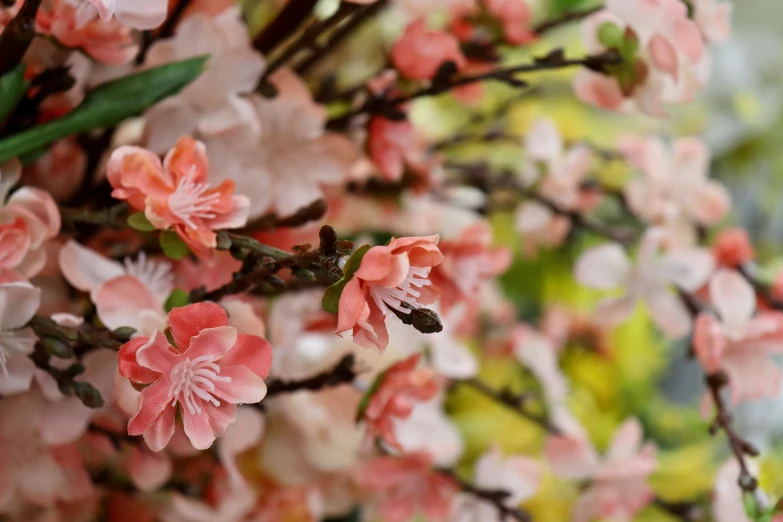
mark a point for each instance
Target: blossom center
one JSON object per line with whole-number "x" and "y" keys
{"x": 156, "y": 275}
{"x": 195, "y": 379}
{"x": 190, "y": 200}
{"x": 393, "y": 297}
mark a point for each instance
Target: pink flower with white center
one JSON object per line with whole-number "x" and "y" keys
{"x": 420, "y": 52}
{"x": 203, "y": 377}
{"x": 407, "y": 486}
{"x": 18, "y": 304}
{"x": 669, "y": 66}
{"x": 714, "y": 19}
{"x": 519, "y": 476}
{"x": 28, "y": 219}
{"x": 137, "y": 14}
{"x": 674, "y": 190}
{"x": 388, "y": 277}
{"x": 650, "y": 280}
{"x": 130, "y": 294}
{"x": 739, "y": 342}
{"x": 558, "y": 174}
{"x": 106, "y": 41}
{"x": 468, "y": 262}
{"x": 176, "y": 193}
{"x": 618, "y": 489}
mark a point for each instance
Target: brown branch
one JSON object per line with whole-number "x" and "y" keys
{"x": 18, "y": 35}
{"x": 496, "y": 497}
{"x": 344, "y": 372}
{"x": 284, "y": 25}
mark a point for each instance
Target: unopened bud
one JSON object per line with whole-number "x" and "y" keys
{"x": 88, "y": 394}
{"x": 125, "y": 332}
{"x": 57, "y": 348}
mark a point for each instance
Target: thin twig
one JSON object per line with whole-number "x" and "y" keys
{"x": 344, "y": 372}
{"x": 290, "y": 18}
{"x": 18, "y": 35}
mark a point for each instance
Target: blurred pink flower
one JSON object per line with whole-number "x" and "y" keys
{"x": 209, "y": 362}
{"x": 607, "y": 266}
{"x": 737, "y": 342}
{"x": 388, "y": 277}
{"x": 714, "y": 19}
{"x": 732, "y": 247}
{"x": 28, "y": 219}
{"x": 136, "y": 14}
{"x": 396, "y": 146}
{"x": 148, "y": 470}
{"x": 130, "y": 294}
{"x": 420, "y": 52}
{"x": 514, "y": 17}
{"x": 59, "y": 171}
{"x": 401, "y": 386}
{"x": 468, "y": 262}
{"x": 243, "y": 434}
{"x": 406, "y": 486}
{"x": 108, "y": 42}
{"x": 18, "y": 304}
{"x": 176, "y": 194}
{"x": 517, "y": 475}
{"x": 618, "y": 489}
{"x": 727, "y": 503}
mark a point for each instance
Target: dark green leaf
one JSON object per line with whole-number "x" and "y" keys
{"x": 176, "y": 299}
{"x": 12, "y": 89}
{"x": 331, "y": 300}
{"x": 368, "y": 395}
{"x": 138, "y": 221}
{"x": 172, "y": 245}
{"x": 108, "y": 105}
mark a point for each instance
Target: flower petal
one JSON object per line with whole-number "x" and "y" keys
{"x": 733, "y": 297}
{"x": 668, "y": 312}
{"x": 152, "y": 401}
{"x": 19, "y": 301}
{"x": 158, "y": 435}
{"x": 156, "y": 354}
{"x": 85, "y": 269}
{"x": 120, "y": 301}
{"x": 213, "y": 342}
{"x": 572, "y": 458}
{"x": 245, "y": 387}
{"x": 251, "y": 351}
{"x": 198, "y": 429}
{"x": 603, "y": 267}
{"x": 188, "y": 321}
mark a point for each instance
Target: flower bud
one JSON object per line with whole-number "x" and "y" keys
{"x": 87, "y": 393}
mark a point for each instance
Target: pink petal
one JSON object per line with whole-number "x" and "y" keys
{"x": 18, "y": 303}
{"x": 130, "y": 367}
{"x": 752, "y": 376}
{"x": 188, "y": 321}
{"x": 572, "y": 458}
{"x": 626, "y": 442}
{"x": 213, "y": 342}
{"x": 245, "y": 387}
{"x": 599, "y": 90}
{"x": 158, "y": 435}
{"x": 86, "y": 269}
{"x": 148, "y": 470}
{"x": 708, "y": 342}
{"x": 153, "y": 401}
{"x": 352, "y": 305}
{"x": 20, "y": 374}
{"x": 40, "y": 205}
{"x": 668, "y": 312}
{"x": 251, "y": 351}
{"x": 376, "y": 264}
{"x": 198, "y": 429}
{"x": 663, "y": 55}
{"x": 120, "y": 301}
{"x": 139, "y": 14}
{"x": 689, "y": 40}
{"x": 733, "y": 297}
{"x": 603, "y": 267}
{"x": 689, "y": 268}
{"x": 156, "y": 354}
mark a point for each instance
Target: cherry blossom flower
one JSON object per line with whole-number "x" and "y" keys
{"x": 675, "y": 190}
{"x": 27, "y": 220}
{"x": 235, "y": 504}
{"x": 176, "y": 194}
{"x": 396, "y": 147}
{"x": 130, "y": 294}
{"x": 519, "y": 476}
{"x": 607, "y": 266}
{"x": 732, "y": 248}
{"x": 18, "y": 304}
{"x": 210, "y": 363}
{"x": 390, "y": 277}
{"x": 106, "y": 41}
{"x": 420, "y": 51}
{"x": 668, "y": 58}
{"x": 737, "y": 342}
{"x": 137, "y": 14}
{"x": 400, "y": 386}
{"x": 211, "y": 108}
{"x": 714, "y": 19}
{"x": 558, "y": 175}
{"x": 618, "y": 488}
{"x": 430, "y": 430}
{"x": 407, "y": 485}
{"x": 468, "y": 261}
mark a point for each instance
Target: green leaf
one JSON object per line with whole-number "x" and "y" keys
{"x": 138, "y": 221}
{"x": 749, "y": 501}
{"x": 176, "y": 299}
{"x": 331, "y": 300}
{"x": 108, "y": 105}
{"x": 172, "y": 245}
{"x": 376, "y": 384}
{"x": 12, "y": 89}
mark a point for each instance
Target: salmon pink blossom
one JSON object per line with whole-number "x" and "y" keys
{"x": 733, "y": 248}
{"x": 391, "y": 278}
{"x": 203, "y": 377}
{"x": 176, "y": 193}
{"x": 420, "y": 52}
{"x": 400, "y": 386}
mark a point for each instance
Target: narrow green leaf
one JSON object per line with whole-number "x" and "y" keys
{"x": 176, "y": 299}
{"x": 107, "y": 105}
{"x": 376, "y": 384}
{"x": 12, "y": 89}
{"x": 138, "y": 221}
{"x": 172, "y": 245}
{"x": 331, "y": 299}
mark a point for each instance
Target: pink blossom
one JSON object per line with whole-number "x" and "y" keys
{"x": 468, "y": 261}
{"x": 737, "y": 342}
{"x": 618, "y": 488}
{"x": 210, "y": 362}
{"x": 18, "y": 304}
{"x": 176, "y": 193}
{"x": 513, "y": 16}
{"x": 240, "y": 436}
{"x": 428, "y": 428}
{"x": 234, "y": 504}
{"x": 137, "y": 14}
{"x": 519, "y": 476}
{"x": 401, "y": 385}
{"x": 389, "y": 277}
{"x": 106, "y": 41}
{"x": 60, "y": 171}
{"x": 396, "y": 146}
{"x": 674, "y": 190}
{"x": 420, "y": 52}
{"x": 607, "y": 266}
{"x": 714, "y": 19}
{"x": 148, "y": 470}
{"x": 406, "y": 486}
{"x": 732, "y": 248}
{"x": 28, "y": 219}
{"x": 669, "y": 66}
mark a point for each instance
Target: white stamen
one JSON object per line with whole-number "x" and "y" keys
{"x": 392, "y": 298}
{"x": 189, "y": 201}
{"x": 156, "y": 275}
{"x": 193, "y": 381}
